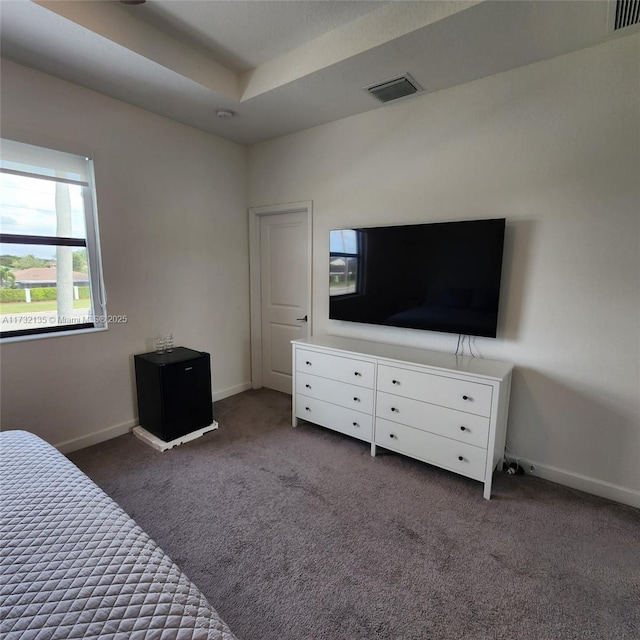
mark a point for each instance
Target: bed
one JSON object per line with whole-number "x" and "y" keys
{"x": 73, "y": 564}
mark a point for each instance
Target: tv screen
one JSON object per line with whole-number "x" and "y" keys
{"x": 439, "y": 276}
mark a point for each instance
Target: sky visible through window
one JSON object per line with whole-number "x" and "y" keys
{"x": 28, "y": 207}
{"x": 343, "y": 241}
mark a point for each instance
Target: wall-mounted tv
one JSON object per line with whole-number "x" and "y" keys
{"x": 439, "y": 277}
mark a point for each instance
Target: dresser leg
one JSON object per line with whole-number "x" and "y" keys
{"x": 294, "y": 421}
{"x": 373, "y": 450}
{"x": 487, "y": 490}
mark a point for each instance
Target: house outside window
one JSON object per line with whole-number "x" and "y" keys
{"x": 344, "y": 262}
{"x": 50, "y": 266}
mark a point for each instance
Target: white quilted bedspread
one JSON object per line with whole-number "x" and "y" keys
{"x": 73, "y": 564}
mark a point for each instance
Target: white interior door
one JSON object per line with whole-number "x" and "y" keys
{"x": 284, "y": 292}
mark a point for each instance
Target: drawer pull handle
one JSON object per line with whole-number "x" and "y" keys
{"x": 460, "y": 458}
{"x": 355, "y": 424}
{"x": 463, "y": 428}
{"x": 308, "y": 363}
{"x": 308, "y": 386}
{"x": 307, "y": 409}
{"x": 356, "y": 399}
{"x": 394, "y": 410}
{"x": 392, "y": 435}
{"x": 466, "y": 398}
{"x": 357, "y": 373}
{"x": 395, "y": 382}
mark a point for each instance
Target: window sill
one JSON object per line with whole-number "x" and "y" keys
{"x": 53, "y": 334}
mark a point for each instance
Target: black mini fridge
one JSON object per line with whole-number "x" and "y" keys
{"x": 174, "y": 392}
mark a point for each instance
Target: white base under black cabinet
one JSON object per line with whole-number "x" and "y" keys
{"x": 174, "y": 392}
{"x": 450, "y": 411}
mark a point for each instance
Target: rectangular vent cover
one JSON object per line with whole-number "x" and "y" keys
{"x": 627, "y": 14}
{"x": 395, "y": 88}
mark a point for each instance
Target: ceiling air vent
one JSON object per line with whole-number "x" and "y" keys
{"x": 395, "y": 88}
{"x": 627, "y": 14}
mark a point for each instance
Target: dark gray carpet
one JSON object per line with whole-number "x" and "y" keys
{"x": 298, "y": 534}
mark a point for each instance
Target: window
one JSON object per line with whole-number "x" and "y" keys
{"x": 50, "y": 269}
{"x": 344, "y": 262}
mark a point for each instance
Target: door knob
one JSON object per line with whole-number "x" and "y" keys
{"x": 302, "y": 319}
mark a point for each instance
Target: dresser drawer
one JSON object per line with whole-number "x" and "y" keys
{"x": 450, "y": 454}
{"x": 472, "y": 397}
{"x": 346, "y": 395}
{"x": 347, "y": 421}
{"x": 353, "y": 371}
{"x": 461, "y": 426}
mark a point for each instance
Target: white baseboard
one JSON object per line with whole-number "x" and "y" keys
{"x": 95, "y": 438}
{"x": 113, "y": 432}
{"x": 231, "y": 391}
{"x": 601, "y": 488}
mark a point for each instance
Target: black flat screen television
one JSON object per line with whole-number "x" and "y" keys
{"x": 439, "y": 277}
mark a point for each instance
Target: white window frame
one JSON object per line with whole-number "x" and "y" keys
{"x": 91, "y": 243}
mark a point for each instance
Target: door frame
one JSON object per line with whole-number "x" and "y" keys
{"x": 255, "y": 287}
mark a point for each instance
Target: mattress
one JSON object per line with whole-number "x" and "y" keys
{"x": 73, "y": 564}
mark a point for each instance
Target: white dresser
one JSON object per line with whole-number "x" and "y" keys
{"x": 450, "y": 411}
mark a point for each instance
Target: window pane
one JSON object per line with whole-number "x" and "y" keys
{"x": 344, "y": 262}
{"x": 29, "y": 206}
{"x": 43, "y": 286}
{"x": 50, "y": 270}
{"x": 343, "y": 241}
{"x": 343, "y": 276}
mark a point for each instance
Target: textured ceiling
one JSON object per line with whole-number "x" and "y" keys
{"x": 243, "y": 35}
{"x": 283, "y": 66}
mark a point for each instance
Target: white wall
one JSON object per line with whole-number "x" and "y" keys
{"x": 554, "y": 148}
{"x": 173, "y": 223}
